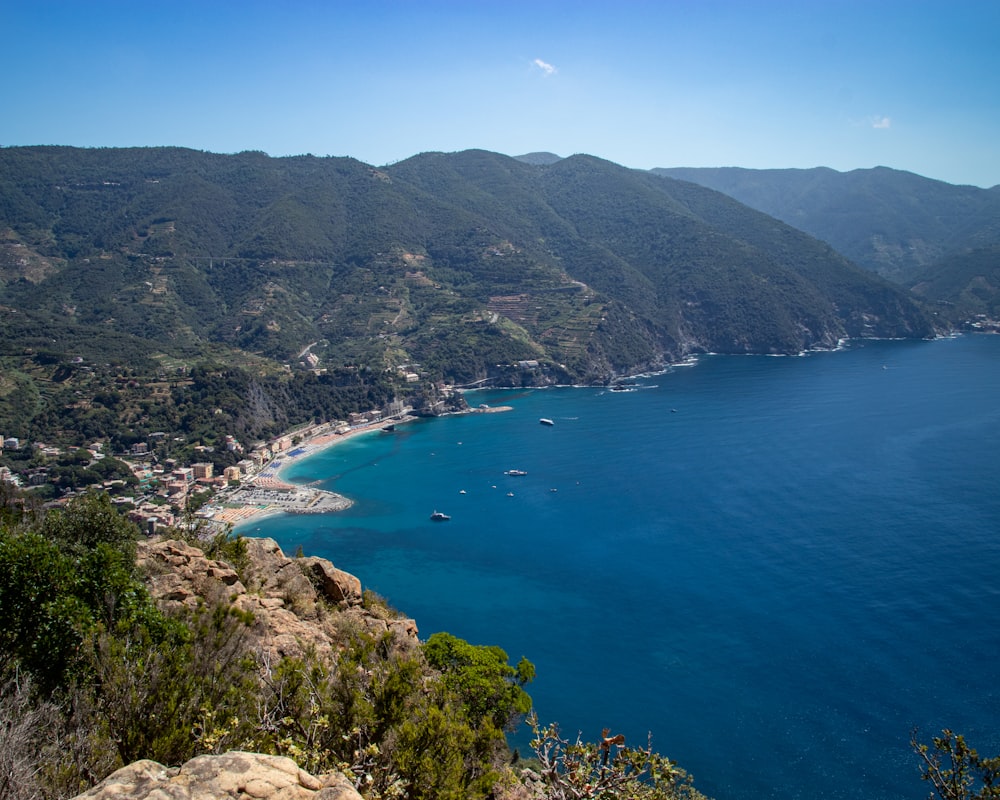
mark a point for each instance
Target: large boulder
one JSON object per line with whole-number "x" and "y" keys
{"x": 338, "y": 586}
{"x": 242, "y": 776}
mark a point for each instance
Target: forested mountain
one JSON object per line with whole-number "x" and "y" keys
{"x": 542, "y": 159}
{"x": 269, "y": 255}
{"x": 457, "y": 266}
{"x": 895, "y": 223}
{"x": 968, "y": 281}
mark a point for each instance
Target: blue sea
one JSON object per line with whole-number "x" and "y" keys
{"x": 777, "y": 567}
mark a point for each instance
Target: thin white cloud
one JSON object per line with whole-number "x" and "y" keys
{"x": 881, "y": 122}
{"x": 544, "y": 66}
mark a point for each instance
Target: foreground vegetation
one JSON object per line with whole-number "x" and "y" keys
{"x": 94, "y": 676}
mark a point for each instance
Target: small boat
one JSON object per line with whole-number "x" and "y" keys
{"x": 515, "y": 472}
{"x": 438, "y": 516}
{"x": 546, "y": 421}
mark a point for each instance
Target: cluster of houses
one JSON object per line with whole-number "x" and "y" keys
{"x": 164, "y": 487}
{"x": 9, "y": 443}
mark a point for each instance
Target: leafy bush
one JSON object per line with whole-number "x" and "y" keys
{"x": 955, "y": 770}
{"x": 606, "y": 770}
{"x": 488, "y": 686}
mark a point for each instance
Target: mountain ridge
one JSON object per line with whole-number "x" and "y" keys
{"x": 896, "y": 223}
{"x": 456, "y": 267}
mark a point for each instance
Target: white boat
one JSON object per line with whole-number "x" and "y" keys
{"x": 546, "y": 421}
{"x": 515, "y": 472}
{"x": 438, "y": 516}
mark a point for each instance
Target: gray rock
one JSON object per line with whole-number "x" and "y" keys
{"x": 246, "y": 776}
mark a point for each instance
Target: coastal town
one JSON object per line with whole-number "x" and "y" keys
{"x": 163, "y": 493}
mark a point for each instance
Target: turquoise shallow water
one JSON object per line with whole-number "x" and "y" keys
{"x": 778, "y": 566}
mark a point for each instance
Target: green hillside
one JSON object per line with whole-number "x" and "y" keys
{"x": 892, "y": 222}
{"x": 458, "y": 267}
{"x": 707, "y": 273}
{"x": 966, "y": 284}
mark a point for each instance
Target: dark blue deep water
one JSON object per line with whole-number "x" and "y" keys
{"x": 778, "y": 566}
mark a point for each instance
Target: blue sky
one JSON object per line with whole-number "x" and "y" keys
{"x": 844, "y": 84}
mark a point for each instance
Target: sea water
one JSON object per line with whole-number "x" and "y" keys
{"x": 777, "y": 567}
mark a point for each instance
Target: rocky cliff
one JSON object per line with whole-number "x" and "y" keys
{"x": 307, "y": 608}
{"x": 298, "y": 604}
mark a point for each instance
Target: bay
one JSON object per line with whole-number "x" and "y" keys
{"x": 777, "y": 567}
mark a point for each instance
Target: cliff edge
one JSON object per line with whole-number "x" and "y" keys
{"x": 298, "y": 604}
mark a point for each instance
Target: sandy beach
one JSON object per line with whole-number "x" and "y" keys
{"x": 271, "y": 474}
{"x": 266, "y": 493}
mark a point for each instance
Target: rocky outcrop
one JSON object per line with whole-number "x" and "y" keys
{"x": 298, "y": 604}
{"x": 178, "y": 574}
{"x": 337, "y": 585}
{"x": 242, "y": 776}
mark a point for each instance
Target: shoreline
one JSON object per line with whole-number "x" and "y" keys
{"x": 267, "y": 494}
